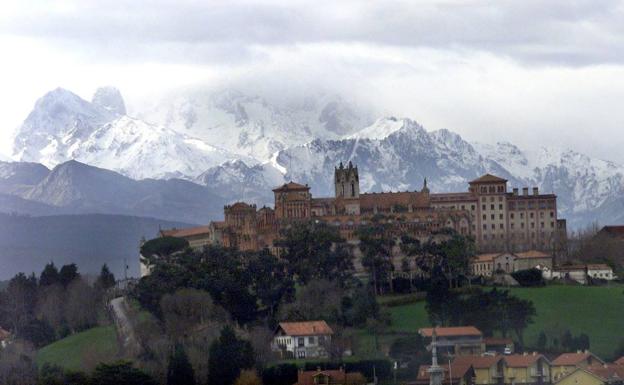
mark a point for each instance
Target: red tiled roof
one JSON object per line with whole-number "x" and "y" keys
{"x": 291, "y": 186}
{"x": 486, "y": 257}
{"x": 497, "y": 341}
{"x": 336, "y": 377}
{"x": 478, "y": 362}
{"x": 532, "y": 254}
{"x": 569, "y": 359}
{"x": 607, "y": 371}
{"x": 598, "y": 266}
{"x": 619, "y": 361}
{"x": 306, "y": 328}
{"x": 522, "y": 360}
{"x": 488, "y": 178}
{"x": 451, "y": 331}
{"x": 187, "y": 232}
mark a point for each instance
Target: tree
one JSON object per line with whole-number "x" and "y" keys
{"x": 228, "y": 356}
{"x": 180, "y": 371}
{"x": 542, "y": 342}
{"x": 316, "y": 251}
{"x": 376, "y": 247}
{"x": 271, "y": 282}
{"x": 186, "y": 309}
{"x": 457, "y": 252}
{"x": 106, "y": 279}
{"x": 68, "y": 273}
{"x": 159, "y": 248}
{"x": 248, "y": 377}
{"x": 440, "y": 302}
{"x": 120, "y": 373}
{"x": 49, "y": 276}
{"x": 81, "y": 305}
{"x": 317, "y": 300}
{"x": 19, "y": 301}
{"x": 360, "y": 306}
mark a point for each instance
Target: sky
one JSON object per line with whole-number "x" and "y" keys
{"x": 530, "y": 72}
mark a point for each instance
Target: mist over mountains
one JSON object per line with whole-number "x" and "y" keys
{"x": 190, "y": 153}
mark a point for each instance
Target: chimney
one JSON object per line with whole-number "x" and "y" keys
{"x": 525, "y": 191}
{"x": 534, "y": 354}
{"x": 525, "y": 354}
{"x": 515, "y": 191}
{"x": 535, "y": 191}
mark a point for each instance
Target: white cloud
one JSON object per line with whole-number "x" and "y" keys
{"x": 507, "y": 70}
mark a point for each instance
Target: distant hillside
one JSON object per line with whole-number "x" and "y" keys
{"x": 28, "y": 243}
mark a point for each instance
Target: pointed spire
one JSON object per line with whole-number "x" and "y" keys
{"x": 425, "y": 189}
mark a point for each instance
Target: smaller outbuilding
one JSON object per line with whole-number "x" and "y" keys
{"x": 307, "y": 339}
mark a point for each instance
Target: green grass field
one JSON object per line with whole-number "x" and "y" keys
{"x": 81, "y": 351}
{"x": 595, "y": 311}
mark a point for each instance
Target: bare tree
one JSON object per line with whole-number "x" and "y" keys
{"x": 81, "y": 305}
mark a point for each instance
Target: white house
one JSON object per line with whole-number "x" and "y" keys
{"x": 308, "y": 339}
{"x": 600, "y": 271}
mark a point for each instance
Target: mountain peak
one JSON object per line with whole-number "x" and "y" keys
{"x": 110, "y": 99}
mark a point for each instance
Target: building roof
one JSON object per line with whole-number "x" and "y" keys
{"x": 619, "y": 361}
{"x": 580, "y": 370}
{"x": 570, "y": 359}
{"x": 599, "y": 266}
{"x": 523, "y": 360}
{"x": 497, "y": 341}
{"x": 532, "y": 254}
{"x": 458, "y": 371}
{"x": 306, "y": 328}
{"x": 607, "y": 371}
{"x": 291, "y": 186}
{"x": 187, "y": 232}
{"x": 487, "y": 178}
{"x": 478, "y": 361}
{"x": 451, "y": 331}
{"x": 335, "y": 377}
{"x": 615, "y": 231}
{"x": 241, "y": 206}
{"x": 486, "y": 257}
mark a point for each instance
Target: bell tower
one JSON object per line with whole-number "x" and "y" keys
{"x": 347, "y": 182}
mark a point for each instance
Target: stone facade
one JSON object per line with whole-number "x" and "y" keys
{"x": 498, "y": 220}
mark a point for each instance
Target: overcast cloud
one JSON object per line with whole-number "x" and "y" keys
{"x": 525, "y": 71}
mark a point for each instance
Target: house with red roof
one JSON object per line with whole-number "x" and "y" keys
{"x": 460, "y": 340}
{"x": 307, "y": 339}
{"x": 330, "y": 377}
{"x": 527, "y": 368}
{"x": 454, "y": 374}
{"x": 568, "y": 362}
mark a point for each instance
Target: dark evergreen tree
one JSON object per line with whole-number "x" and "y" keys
{"x": 49, "y": 276}
{"x": 180, "y": 371}
{"x": 68, "y": 273}
{"x": 228, "y": 356}
{"x": 542, "y": 342}
{"x": 120, "y": 373}
{"x": 106, "y": 280}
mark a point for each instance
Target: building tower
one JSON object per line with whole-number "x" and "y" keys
{"x": 436, "y": 373}
{"x": 347, "y": 186}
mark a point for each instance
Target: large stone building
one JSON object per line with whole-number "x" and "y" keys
{"x": 498, "y": 220}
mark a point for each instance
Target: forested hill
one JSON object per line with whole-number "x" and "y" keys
{"x": 28, "y": 243}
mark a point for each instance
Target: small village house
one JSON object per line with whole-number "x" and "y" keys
{"x": 460, "y": 340}
{"x": 488, "y": 369}
{"x": 567, "y": 363}
{"x": 580, "y": 376}
{"x": 329, "y": 377}
{"x": 600, "y": 271}
{"x": 527, "y": 368}
{"x": 308, "y": 339}
{"x": 487, "y": 264}
{"x": 499, "y": 345}
{"x": 455, "y": 374}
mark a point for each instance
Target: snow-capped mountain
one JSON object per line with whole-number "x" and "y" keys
{"x": 251, "y": 125}
{"x": 63, "y": 127}
{"x": 241, "y": 146}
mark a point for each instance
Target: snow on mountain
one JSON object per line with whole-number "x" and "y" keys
{"x": 253, "y": 126}
{"x": 63, "y": 127}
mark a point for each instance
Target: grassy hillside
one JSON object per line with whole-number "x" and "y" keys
{"x": 81, "y": 351}
{"x": 596, "y": 311}
{"x": 28, "y": 243}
